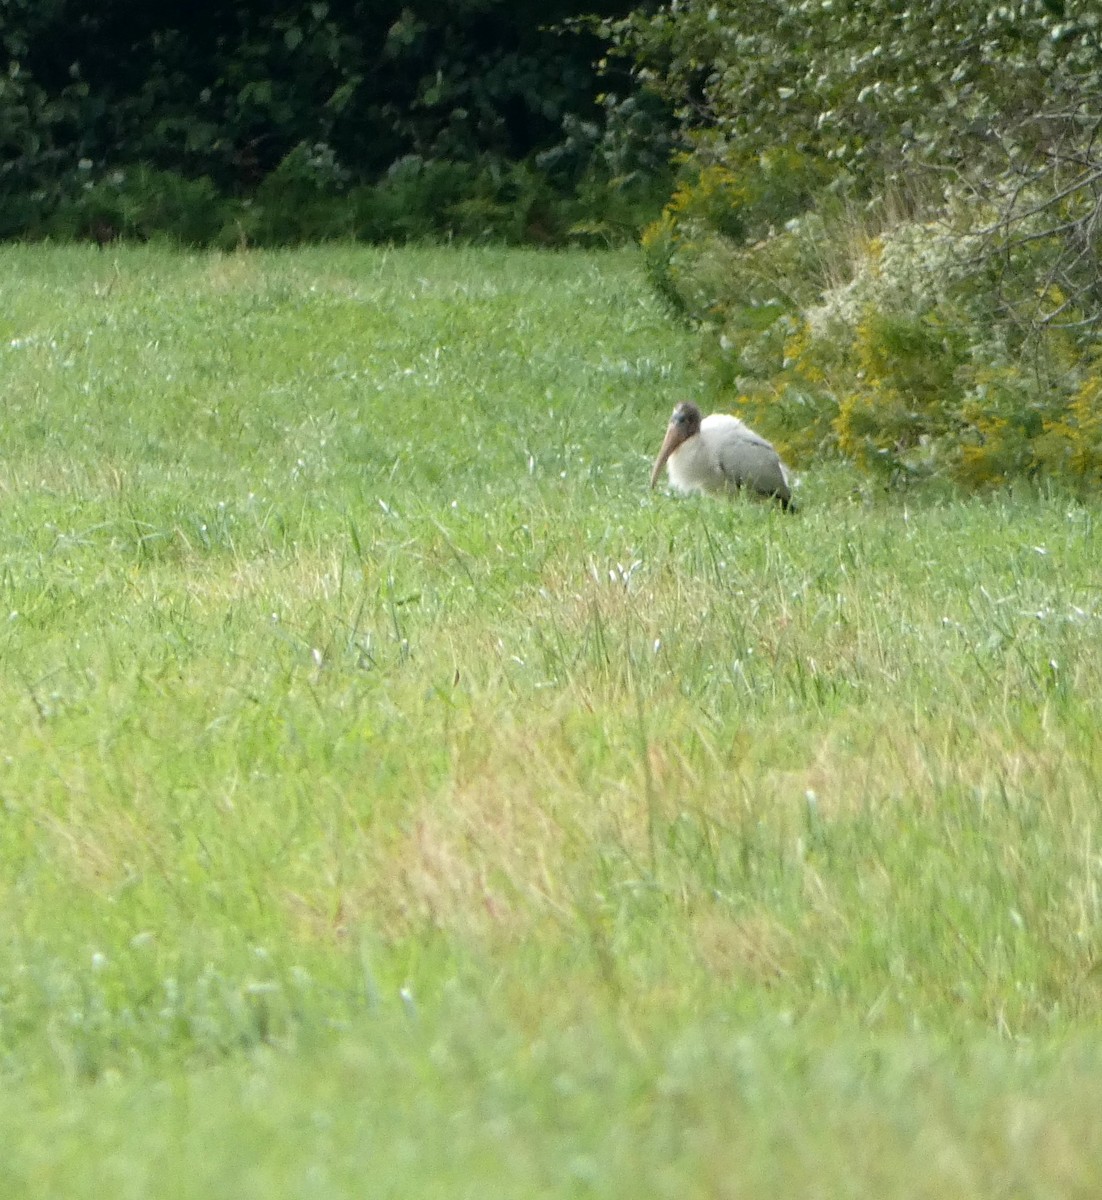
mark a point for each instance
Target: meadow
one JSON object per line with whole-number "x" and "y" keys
{"x": 399, "y": 798}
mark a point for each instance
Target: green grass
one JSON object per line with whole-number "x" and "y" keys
{"x": 397, "y": 798}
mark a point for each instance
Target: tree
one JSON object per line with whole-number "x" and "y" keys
{"x": 229, "y": 91}
{"x": 1002, "y": 102}
{"x": 953, "y": 328}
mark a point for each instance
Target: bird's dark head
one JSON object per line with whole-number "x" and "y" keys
{"x": 684, "y": 424}
{"x": 686, "y": 418}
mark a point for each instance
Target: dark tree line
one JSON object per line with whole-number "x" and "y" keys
{"x": 226, "y": 92}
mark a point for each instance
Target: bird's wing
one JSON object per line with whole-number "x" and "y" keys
{"x": 744, "y": 457}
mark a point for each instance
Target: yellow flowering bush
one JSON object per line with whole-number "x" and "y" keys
{"x": 910, "y": 367}
{"x": 885, "y": 346}
{"x": 905, "y": 388}
{"x": 1071, "y": 442}
{"x": 716, "y": 248}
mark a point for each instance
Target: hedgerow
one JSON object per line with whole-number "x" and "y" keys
{"x": 889, "y": 225}
{"x": 334, "y": 118}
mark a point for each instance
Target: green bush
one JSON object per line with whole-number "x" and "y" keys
{"x": 724, "y": 239}
{"x": 304, "y": 199}
{"x": 855, "y": 301}
{"x": 141, "y": 203}
{"x": 925, "y": 376}
{"x": 427, "y": 199}
{"x": 877, "y": 336}
{"x": 307, "y": 199}
{"x": 368, "y": 118}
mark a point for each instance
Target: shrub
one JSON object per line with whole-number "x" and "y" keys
{"x": 432, "y": 198}
{"x": 720, "y": 243}
{"x": 140, "y": 202}
{"x": 879, "y": 338}
{"x": 1071, "y": 444}
{"x": 929, "y": 377}
{"x": 616, "y": 170}
{"x": 313, "y": 115}
{"x": 945, "y": 334}
{"x": 304, "y": 199}
{"x": 906, "y": 391}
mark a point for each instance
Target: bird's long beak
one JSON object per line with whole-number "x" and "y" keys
{"x": 674, "y": 437}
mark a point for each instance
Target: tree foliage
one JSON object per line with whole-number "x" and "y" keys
{"x": 998, "y": 102}
{"x": 890, "y": 222}
{"x": 871, "y": 83}
{"x": 336, "y": 90}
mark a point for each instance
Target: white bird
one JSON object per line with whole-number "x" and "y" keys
{"x": 720, "y": 455}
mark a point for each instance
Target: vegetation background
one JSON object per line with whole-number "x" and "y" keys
{"x": 278, "y": 123}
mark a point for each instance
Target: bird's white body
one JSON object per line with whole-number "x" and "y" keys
{"x": 726, "y": 456}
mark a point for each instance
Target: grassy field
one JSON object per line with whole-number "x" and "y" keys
{"x": 399, "y": 799}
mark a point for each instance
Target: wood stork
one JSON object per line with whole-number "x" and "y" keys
{"x": 719, "y": 455}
